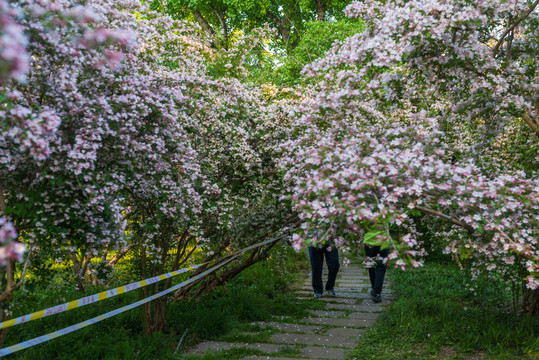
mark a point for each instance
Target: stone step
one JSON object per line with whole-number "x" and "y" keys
{"x": 369, "y": 303}
{"x": 327, "y": 313}
{"x": 336, "y": 299}
{"x": 355, "y": 323}
{"x": 357, "y": 308}
{"x": 352, "y": 278}
{"x": 315, "y": 352}
{"x": 220, "y": 345}
{"x": 354, "y": 288}
{"x": 349, "y": 332}
{"x": 257, "y": 357}
{"x": 340, "y": 295}
{"x": 299, "y": 328}
{"x": 316, "y": 339}
{"x": 353, "y": 273}
{"x": 364, "y": 315}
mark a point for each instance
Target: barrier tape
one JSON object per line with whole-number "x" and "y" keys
{"x": 92, "y": 298}
{"x": 53, "y": 335}
{"x": 47, "y": 337}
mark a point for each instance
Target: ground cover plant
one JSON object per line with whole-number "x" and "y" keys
{"x": 441, "y": 313}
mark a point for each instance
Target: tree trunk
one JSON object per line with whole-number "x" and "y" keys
{"x": 530, "y": 301}
{"x": 221, "y": 16}
{"x": 203, "y": 22}
{"x": 321, "y": 10}
{"x": 2, "y": 198}
{"x": 154, "y": 316}
{"x": 6, "y": 295}
{"x": 80, "y": 268}
{"x": 285, "y": 29}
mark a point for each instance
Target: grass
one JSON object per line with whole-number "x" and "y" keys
{"x": 436, "y": 316}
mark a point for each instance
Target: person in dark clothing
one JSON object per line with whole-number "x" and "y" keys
{"x": 377, "y": 272}
{"x": 377, "y": 250}
{"x": 317, "y": 255}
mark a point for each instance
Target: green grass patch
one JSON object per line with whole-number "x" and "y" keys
{"x": 437, "y": 316}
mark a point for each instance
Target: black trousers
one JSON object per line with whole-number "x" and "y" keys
{"x": 317, "y": 261}
{"x": 378, "y": 272}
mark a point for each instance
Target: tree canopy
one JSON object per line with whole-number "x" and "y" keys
{"x": 227, "y": 17}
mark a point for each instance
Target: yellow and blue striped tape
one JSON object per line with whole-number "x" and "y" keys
{"x": 44, "y": 338}
{"x": 40, "y": 314}
{"x": 92, "y": 298}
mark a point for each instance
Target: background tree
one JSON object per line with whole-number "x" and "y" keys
{"x": 225, "y": 17}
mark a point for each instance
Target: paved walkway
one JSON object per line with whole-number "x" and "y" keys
{"x": 326, "y": 334}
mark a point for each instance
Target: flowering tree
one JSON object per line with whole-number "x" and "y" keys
{"x": 118, "y": 138}
{"x": 377, "y": 143}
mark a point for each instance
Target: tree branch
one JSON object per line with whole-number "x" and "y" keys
{"x": 446, "y": 217}
{"x": 532, "y": 124}
{"x": 513, "y": 26}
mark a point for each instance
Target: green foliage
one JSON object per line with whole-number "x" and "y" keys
{"x": 120, "y": 337}
{"x": 437, "y": 314}
{"x": 288, "y": 17}
{"x": 317, "y": 39}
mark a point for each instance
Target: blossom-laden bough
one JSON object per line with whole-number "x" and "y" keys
{"x": 402, "y": 122}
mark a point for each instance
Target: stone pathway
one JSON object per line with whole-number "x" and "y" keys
{"x": 325, "y": 334}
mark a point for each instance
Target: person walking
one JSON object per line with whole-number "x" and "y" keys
{"x": 377, "y": 251}
{"x": 317, "y": 255}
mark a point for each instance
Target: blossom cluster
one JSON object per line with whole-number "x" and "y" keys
{"x": 95, "y": 128}
{"x": 14, "y": 60}
{"x": 447, "y": 56}
{"x": 10, "y": 250}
